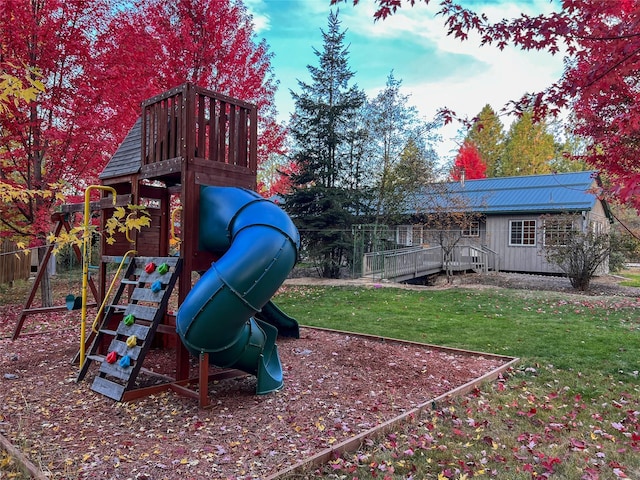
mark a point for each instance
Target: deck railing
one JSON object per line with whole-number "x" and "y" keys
{"x": 413, "y": 262}
{"x": 192, "y": 123}
{"x": 373, "y": 263}
{"x": 403, "y": 265}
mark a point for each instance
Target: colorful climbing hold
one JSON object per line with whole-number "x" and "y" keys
{"x": 132, "y": 341}
{"x": 129, "y": 320}
{"x": 162, "y": 269}
{"x": 125, "y": 361}
{"x": 156, "y": 286}
{"x": 150, "y": 267}
{"x": 112, "y": 357}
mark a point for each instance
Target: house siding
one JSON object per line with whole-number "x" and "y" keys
{"x": 531, "y": 258}
{"x": 517, "y": 258}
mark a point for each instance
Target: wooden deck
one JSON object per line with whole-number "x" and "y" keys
{"x": 414, "y": 262}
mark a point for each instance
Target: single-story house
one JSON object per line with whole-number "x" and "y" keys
{"x": 512, "y": 216}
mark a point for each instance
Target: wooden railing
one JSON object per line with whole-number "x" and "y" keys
{"x": 190, "y": 122}
{"x": 413, "y": 262}
{"x": 476, "y": 258}
{"x": 402, "y": 263}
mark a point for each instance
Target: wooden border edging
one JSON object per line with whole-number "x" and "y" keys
{"x": 353, "y": 443}
{"x": 34, "y": 472}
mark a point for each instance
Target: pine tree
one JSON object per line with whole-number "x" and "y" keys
{"x": 392, "y": 124}
{"x": 529, "y": 148}
{"x": 323, "y": 197}
{"x": 414, "y": 170}
{"x": 487, "y": 134}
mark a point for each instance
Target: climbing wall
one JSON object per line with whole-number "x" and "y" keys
{"x": 151, "y": 281}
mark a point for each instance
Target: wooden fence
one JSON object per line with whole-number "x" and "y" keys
{"x": 14, "y": 264}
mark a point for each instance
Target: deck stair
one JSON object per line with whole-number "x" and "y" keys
{"x": 150, "y": 282}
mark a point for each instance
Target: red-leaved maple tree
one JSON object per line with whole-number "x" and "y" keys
{"x": 601, "y": 44}
{"x": 468, "y": 160}
{"x": 98, "y": 59}
{"x": 49, "y": 140}
{"x": 160, "y": 44}
{"x": 280, "y": 182}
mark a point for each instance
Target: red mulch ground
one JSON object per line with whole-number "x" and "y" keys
{"x": 337, "y": 386}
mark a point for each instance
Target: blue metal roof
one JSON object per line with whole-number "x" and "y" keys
{"x": 560, "y": 192}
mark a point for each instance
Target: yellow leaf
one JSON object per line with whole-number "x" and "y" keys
{"x": 119, "y": 212}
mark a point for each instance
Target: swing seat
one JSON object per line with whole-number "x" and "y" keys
{"x": 73, "y": 302}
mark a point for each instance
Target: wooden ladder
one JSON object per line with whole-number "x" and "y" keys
{"x": 152, "y": 287}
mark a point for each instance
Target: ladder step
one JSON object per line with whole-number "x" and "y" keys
{"x": 129, "y": 282}
{"x": 122, "y": 349}
{"x": 117, "y": 308}
{"x": 147, "y": 295}
{"x": 142, "y": 312}
{"x": 96, "y": 358}
{"x": 108, "y": 388}
{"x": 115, "y": 370}
{"x": 136, "y": 329}
{"x": 113, "y": 333}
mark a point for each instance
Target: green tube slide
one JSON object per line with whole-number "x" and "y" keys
{"x": 228, "y": 313}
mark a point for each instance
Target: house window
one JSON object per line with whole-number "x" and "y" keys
{"x": 471, "y": 230}
{"x": 557, "y": 232}
{"x": 597, "y": 227}
{"x": 418, "y": 238}
{"x": 403, "y": 235}
{"x": 522, "y": 232}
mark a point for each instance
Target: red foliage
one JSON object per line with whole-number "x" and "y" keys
{"x": 281, "y": 184}
{"x": 162, "y": 44}
{"x": 602, "y": 46}
{"x": 56, "y": 137}
{"x": 98, "y": 61}
{"x": 469, "y": 161}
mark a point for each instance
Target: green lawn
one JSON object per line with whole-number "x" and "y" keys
{"x": 632, "y": 279}
{"x": 571, "y": 408}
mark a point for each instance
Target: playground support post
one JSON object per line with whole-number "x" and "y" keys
{"x": 85, "y": 261}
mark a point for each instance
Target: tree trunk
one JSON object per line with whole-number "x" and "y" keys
{"x": 45, "y": 284}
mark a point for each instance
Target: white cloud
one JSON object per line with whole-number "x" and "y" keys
{"x": 261, "y": 20}
{"x": 491, "y": 76}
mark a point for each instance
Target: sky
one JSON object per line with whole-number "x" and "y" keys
{"x": 435, "y": 70}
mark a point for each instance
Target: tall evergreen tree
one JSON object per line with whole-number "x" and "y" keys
{"x": 326, "y": 153}
{"x": 529, "y": 148}
{"x": 487, "y": 134}
{"x": 570, "y": 148}
{"x": 392, "y": 123}
{"x": 415, "y": 169}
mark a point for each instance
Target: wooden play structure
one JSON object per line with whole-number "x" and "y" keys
{"x": 185, "y": 138}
